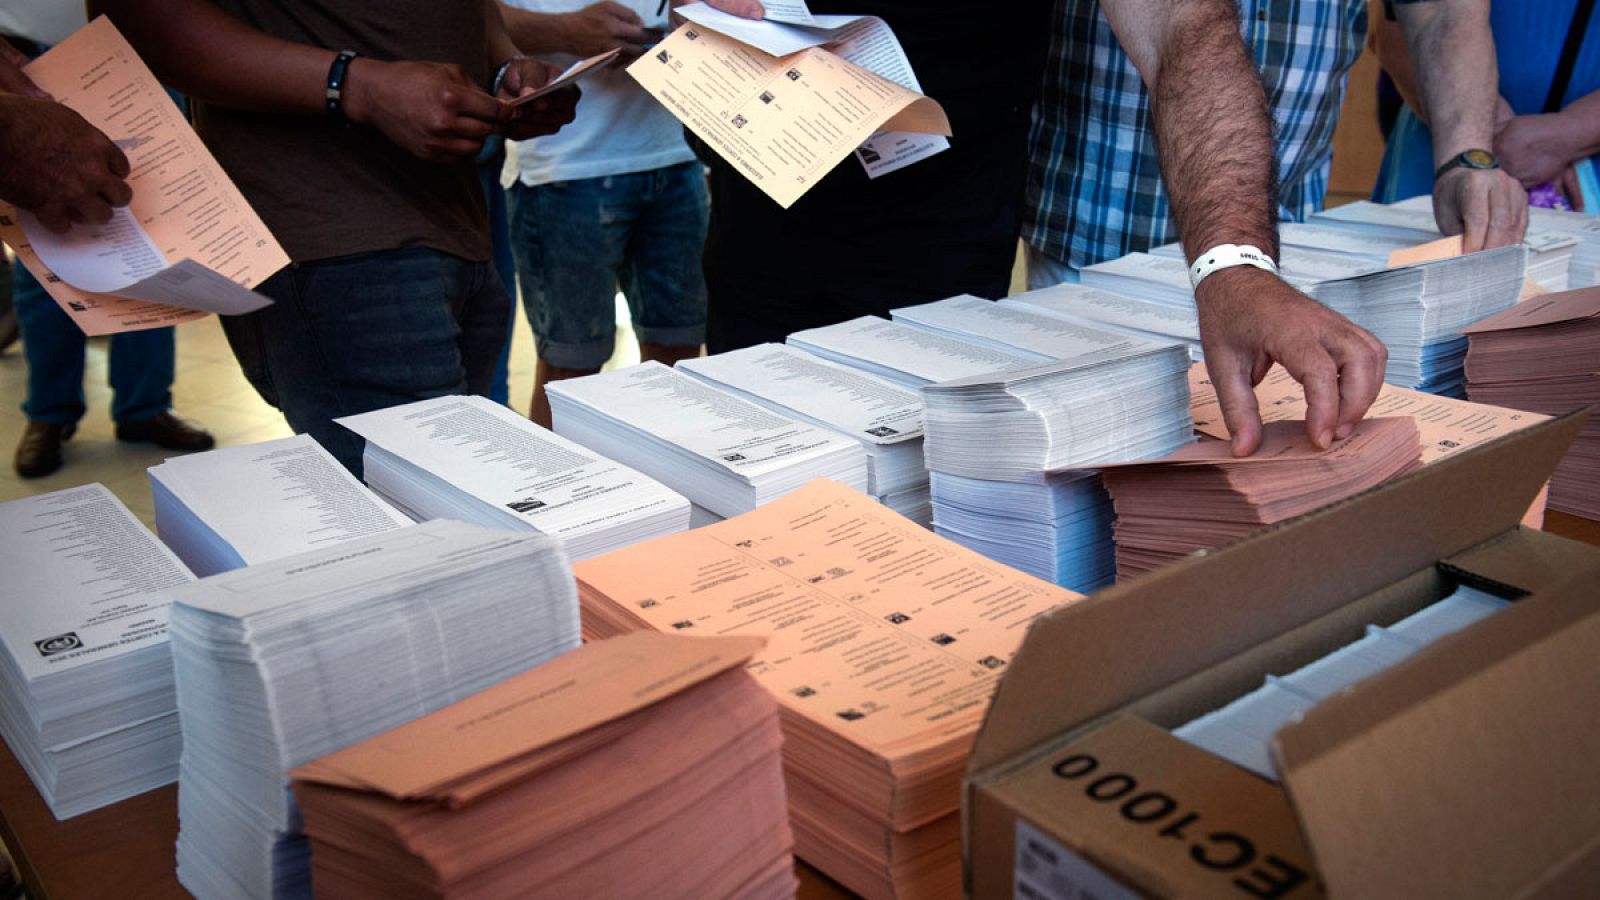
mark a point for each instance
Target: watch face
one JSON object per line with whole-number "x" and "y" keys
{"x": 1480, "y": 159}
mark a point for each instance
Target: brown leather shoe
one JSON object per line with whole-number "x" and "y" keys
{"x": 39, "y": 451}
{"x": 167, "y": 430}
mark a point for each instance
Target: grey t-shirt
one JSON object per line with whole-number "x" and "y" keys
{"x": 326, "y": 189}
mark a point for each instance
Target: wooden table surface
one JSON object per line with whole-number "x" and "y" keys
{"x": 126, "y": 850}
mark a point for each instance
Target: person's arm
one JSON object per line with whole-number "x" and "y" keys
{"x": 431, "y": 110}
{"x": 57, "y": 166}
{"x": 1538, "y": 148}
{"x": 1457, "y": 83}
{"x": 1213, "y": 134}
{"x": 592, "y": 30}
{"x": 517, "y": 75}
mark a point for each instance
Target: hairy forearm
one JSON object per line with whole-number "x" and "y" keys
{"x": 205, "y": 53}
{"x": 1453, "y": 61}
{"x": 1213, "y": 131}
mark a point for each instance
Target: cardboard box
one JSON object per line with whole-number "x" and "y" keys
{"x": 1472, "y": 769}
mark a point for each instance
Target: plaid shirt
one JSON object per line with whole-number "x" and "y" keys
{"x": 1094, "y": 181}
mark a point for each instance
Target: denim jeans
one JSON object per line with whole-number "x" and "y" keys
{"x": 490, "y": 161}
{"x": 357, "y": 333}
{"x": 578, "y": 242}
{"x": 141, "y": 365}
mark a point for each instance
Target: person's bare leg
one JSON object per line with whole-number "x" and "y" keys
{"x": 666, "y": 354}
{"x": 543, "y": 374}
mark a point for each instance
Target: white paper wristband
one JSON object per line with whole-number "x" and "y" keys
{"x": 1226, "y": 256}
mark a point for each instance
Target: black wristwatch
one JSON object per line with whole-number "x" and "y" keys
{"x": 1468, "y": 159}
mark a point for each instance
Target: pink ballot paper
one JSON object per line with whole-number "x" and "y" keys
{"x": 187, "y": 245}
{"x": 573, "y": 72}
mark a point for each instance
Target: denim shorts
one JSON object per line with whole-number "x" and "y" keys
{"x": 577, "y": 243}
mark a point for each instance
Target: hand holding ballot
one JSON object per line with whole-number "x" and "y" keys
{"x": 58, "y": 166}
{"x": 1250, "y": 319}
{"x": 539, "y": 96}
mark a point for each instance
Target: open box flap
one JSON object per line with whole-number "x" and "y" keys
{"x": 1093, "y": 657}
{"x": 1468, "y": 770}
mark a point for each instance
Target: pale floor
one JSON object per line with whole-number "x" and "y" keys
{"x": 209, "y": 389}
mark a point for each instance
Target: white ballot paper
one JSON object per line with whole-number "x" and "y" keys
{"x": 86, "y": 696}
{"x": 723, "y": 452}
{"x": 866, "y": 41}
{"x": 783, "y": 119}
{"x": 1011, "y": 327}
{"x": 908, "y": 356}
{"x": 884, "y": 417}
{"x": 472, "y": 459}
{"x": 83, "y": 571}
{"x": 286, "y": 661}
{"x": 239, "y": 506}
{"x": 1134, "y": 315}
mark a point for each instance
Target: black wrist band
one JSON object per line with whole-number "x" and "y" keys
{"x": 336, "y": 80}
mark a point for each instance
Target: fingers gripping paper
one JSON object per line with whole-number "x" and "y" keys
{"x": 187, "y": 244}
{"x": 783, "y": 122}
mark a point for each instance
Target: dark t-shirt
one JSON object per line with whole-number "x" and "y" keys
{"x": 942, "y": 226}
{"x": 326, "y": 189}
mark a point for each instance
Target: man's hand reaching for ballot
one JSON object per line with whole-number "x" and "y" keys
{"x": 1250, "y": 319}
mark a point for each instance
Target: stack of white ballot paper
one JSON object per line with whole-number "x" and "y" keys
{"x": 1053, "y": 526}
{"x": 471, "y": 459}
{"x": 86, "y": 701}
{"x": 1585, "y": 228}
{"x": 1117, "y": 312}
{"x": 1242, "y": 731}
{"x": 884, "y": 417}
{"x": 1550, "y": 251}
{"x": 726, "y": 454}
{"x": 1418, "y": 311}
{"x": 284, "y": 662}
{"x": 1415, "y": 310}
{"x": 1131, "y": 401}
{"x": 908, "y": 356}
{"x": 238, "y": 506}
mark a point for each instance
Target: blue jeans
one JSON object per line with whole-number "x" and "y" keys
{"x": 578, "y": 242}
{"x": 141, "y": 367}
{"x": 490, "y": 162}
{"x": 357, "y": 333}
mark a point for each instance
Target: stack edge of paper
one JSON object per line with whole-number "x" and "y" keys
{"x": 644, "y": 766}
{"x": 1242, "y": 731}
{"x": 473, "y": 460}
{"x": 280, "y": 663}
{"x": 884, "y": 644}
{"x": 1544, "y": 355}
{"x": 1418, "y": 311}
{"x": 885, "y": 418}
{"x": 236, "y": 506}
{"x": 721, "y": 451}
{"x": 1055, "y": 526}
{"x": 86, "y": 695}
{"x": 1202, "y": 496}
{"x": 1550, "y": 249}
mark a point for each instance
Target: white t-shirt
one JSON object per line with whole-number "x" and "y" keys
{"x": 618, "y": 127}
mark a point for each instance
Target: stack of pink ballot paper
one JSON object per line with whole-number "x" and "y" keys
{"x": 1203, "y": 496}
{"x": 645, "y": 766}
{"x": 885, "y": 642}
{"x": 1544, "y": 355}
